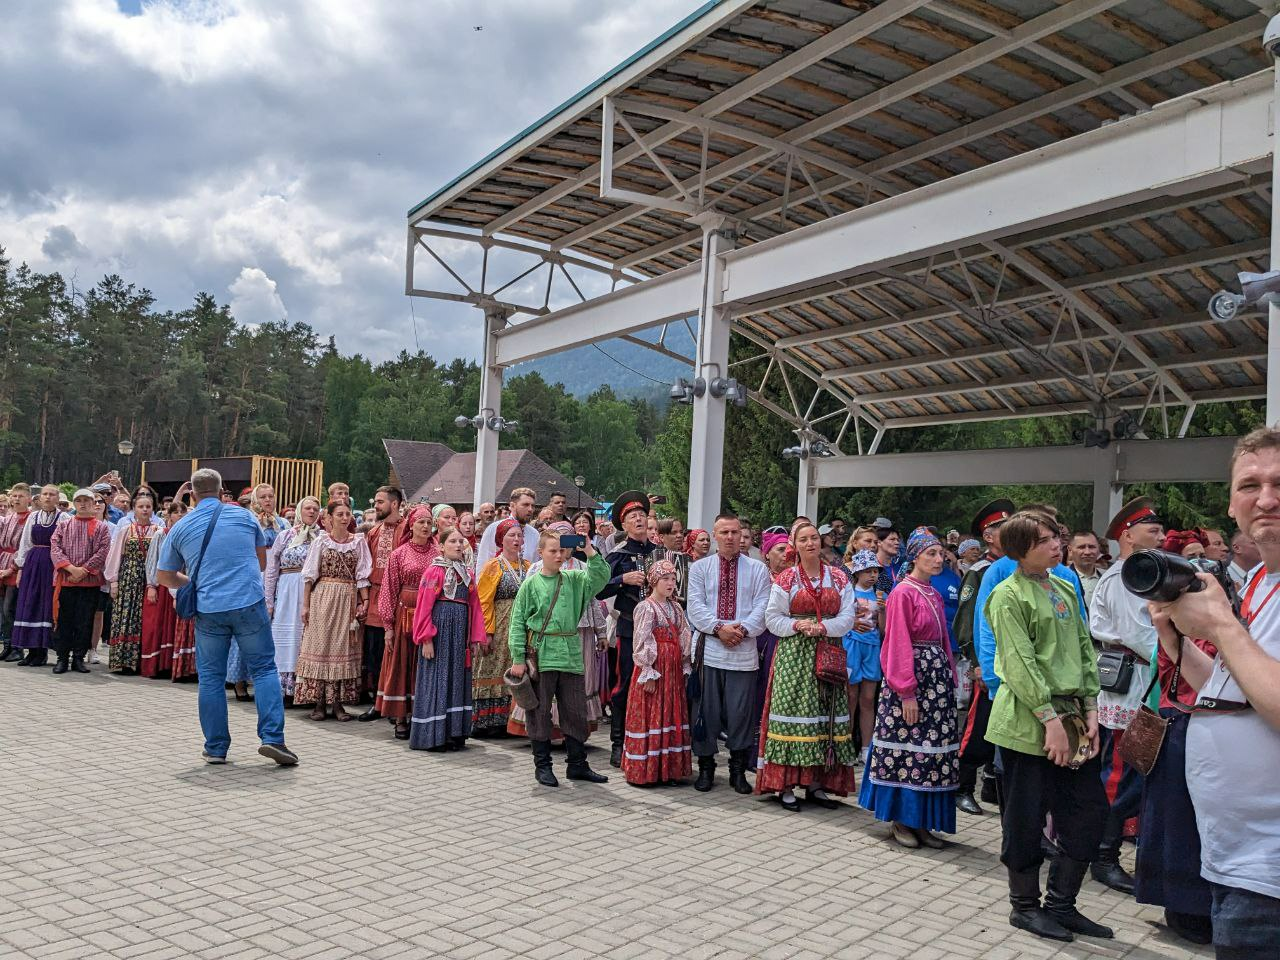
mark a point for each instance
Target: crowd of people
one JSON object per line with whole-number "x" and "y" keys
{"x": 923, "y": 674}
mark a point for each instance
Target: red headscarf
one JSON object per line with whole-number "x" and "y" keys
{"x": 690, "y": 537}
{"x": 1176, "y": 541}
{"x": 417, "y": 512}
{"x": 505, "y": 526}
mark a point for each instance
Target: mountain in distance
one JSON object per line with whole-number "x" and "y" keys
{"x": 631, "y": 370}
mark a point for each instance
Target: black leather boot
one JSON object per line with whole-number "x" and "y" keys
{"x": 706, "y": 774}
{"x": 29, "y": 660}
{"x": 1024, "y": 897}
{"x": 1106, "y": 865}
{"x": 738, "y": 771}
{"x": 966, "y": 804}
{"x": 77, "y": 664}
{"x": 617, "y": 734}
{"x": 542, "y": 771}
{"x": 577, "y": 767}
{"x": 1190, "y": 926}
{"x": 61, "y": 666}
{"x": 1065, "y": 877}
{"x": 8, "y": 654}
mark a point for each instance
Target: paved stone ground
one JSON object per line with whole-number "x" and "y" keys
{"x": 121, "y": 843}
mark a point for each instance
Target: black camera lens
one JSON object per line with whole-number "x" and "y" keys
{"x": 1158, "y": 575}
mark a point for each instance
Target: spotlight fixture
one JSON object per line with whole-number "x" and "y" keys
{"x": 683, "y": 391}
{"x": 730, "y": 390}
{"x": 480, "y": 422}
{"x": 800, "y": 452}
{"x": 1126, "y": 427}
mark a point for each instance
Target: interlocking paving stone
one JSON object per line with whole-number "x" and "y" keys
{"x": 125, "y": 845}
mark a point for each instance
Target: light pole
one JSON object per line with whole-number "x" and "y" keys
{"x": 578, "y": 481}
{"x": 125, "y": 449}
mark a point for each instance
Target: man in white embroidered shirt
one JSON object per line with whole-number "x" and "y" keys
{"x": 1233, "y": 737}
{"x": 1121, "y": 625}
{"x": 728, "y": 593}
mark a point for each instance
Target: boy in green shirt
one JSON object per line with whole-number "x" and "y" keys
{"x": 1045, "y": 720}
{"x": 553, "y": 639}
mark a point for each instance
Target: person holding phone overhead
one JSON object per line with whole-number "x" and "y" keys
{"x": 593, "y": 628}
{"x": 544, "y": 629}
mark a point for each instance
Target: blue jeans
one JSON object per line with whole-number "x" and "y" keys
{"x": 250, "y": 628}
{"x": 1246, "y": 925}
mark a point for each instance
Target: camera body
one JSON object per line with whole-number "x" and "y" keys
{"x": 1163, "y": 576}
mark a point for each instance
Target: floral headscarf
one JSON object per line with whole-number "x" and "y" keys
{"x": 305, "y": 532}
{"x": 921, "y": 540}
{"x": 660, "y": 569}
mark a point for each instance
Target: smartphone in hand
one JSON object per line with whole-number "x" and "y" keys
{"x": 572, "y": 541}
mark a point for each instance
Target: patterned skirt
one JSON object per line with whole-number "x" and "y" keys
{"x": 399, "y": 662}
{"x": 658, "y": 744}
{"x": 442, "y": 691}
{"x": 913, "y": 771}
{"x": 126, "y": 610}
{"x": 592, "y": 676}
{"x": 157, "y": 634}
{"x": 184, "y": 649}
{"x": 328, "y": 663}
{"x": 488, "y": 691}
{"x": 804, "y": 733}
{"x": 286, "y": 628}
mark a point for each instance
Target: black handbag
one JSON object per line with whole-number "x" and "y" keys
{"x": 1115, "y": 671}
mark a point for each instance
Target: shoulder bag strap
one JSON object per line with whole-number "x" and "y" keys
{"x": 204, "y": 544}
{"x": 555, "y": 595}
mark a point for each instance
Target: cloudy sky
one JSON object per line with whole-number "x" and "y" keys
{"x": 266, "y": 151}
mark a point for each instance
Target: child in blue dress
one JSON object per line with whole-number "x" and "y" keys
{"x": 862, "y": 643}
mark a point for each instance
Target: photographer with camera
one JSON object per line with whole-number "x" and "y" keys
{"x": 1121, "y": 626}
{"x": 1233, "y": 738}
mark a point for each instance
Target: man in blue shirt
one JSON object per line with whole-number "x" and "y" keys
{"x": 231, "y": 607}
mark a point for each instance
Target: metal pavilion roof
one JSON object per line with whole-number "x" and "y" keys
{"x": 783, "y": 113}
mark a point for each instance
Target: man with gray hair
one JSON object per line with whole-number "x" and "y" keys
{"x": 223, "y": 549}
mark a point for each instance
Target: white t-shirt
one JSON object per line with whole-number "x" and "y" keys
{"x": 1233, "y": 773}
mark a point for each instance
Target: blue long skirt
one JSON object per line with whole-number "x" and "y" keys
{"x": 1168, "y": 873}
{"x": 913, "y": 771}
{"x": 442, "y": 691}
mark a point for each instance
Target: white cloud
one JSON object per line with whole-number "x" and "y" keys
{"x": 197, "y": 139}
{"x": 254, "y": 298}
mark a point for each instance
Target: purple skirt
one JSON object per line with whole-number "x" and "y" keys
{"x": 33, "y": 618}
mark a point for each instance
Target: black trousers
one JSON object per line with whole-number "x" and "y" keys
{"x": 622, "y": 688}
{"x": 1033, "y": 786}
{"x": 974, "y": 748}
{"x": 375, "y": 639}
{"x": 569, "y": 690}
{"x": 76, "y": 608}
{"x": 8, "y": 610}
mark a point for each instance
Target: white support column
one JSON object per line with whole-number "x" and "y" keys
{"x": 486, "y": 481}
{"x": 807, "y": 497}
{"x": 706, "y": 457}
{"x": 1273, "y": 311}
{"x": 1108, "y": 493}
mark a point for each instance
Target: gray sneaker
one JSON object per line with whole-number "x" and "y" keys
{"x": 212, "y": 758}
{"x": 279, "y": 753}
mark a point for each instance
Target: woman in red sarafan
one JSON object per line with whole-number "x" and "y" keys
{"x": 658, "y": 746}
